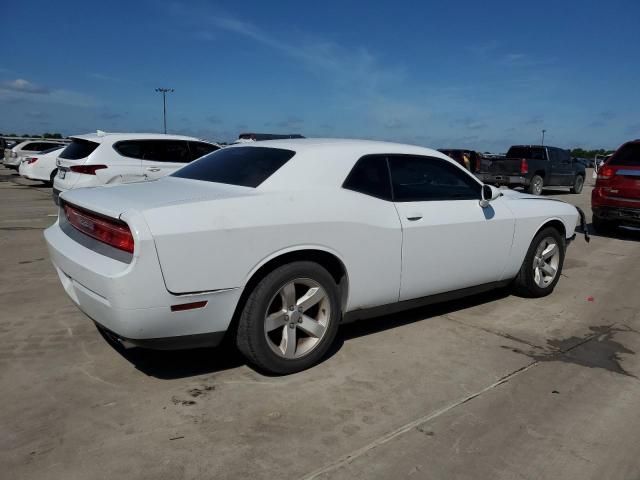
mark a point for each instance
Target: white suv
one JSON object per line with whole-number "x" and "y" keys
{"x": 105, "y": 158}
{"x": 13, "y": 156}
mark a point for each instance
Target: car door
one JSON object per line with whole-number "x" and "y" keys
{"x": 449, "y": 241}
{"x": 567, "y": 168}
{"x": 557, "y": 171}
{"x": 163, "y": 157}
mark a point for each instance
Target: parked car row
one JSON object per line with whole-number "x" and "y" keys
{"x": 14, "y": 155}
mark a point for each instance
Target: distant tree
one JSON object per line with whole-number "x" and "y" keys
{"x": 582, "y": 153}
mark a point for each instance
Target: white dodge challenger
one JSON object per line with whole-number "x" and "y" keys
{"x": 276, "y": 243}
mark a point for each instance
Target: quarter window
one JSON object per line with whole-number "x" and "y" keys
{"x": 417, "y": 179}
{"x": 370, "y": 176}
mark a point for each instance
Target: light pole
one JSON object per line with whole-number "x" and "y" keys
{"x": 543, "y": 132}
{"x": 164, "y": 92}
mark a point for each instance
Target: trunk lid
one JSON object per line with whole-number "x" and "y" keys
{"x": 114, "y": 200}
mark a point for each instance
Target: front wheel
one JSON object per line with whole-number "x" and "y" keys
{"x": 535, "y": 187}
{"x": 290, "y": 319}
{"x": 542, "y": 266}
{"x": 578, "y": 183}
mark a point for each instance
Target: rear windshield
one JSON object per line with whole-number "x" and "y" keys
{"x": 531, "y": 153}
{"x": 78, "y": 149}
{"x": 244, "y": 166}
{"x": 628, "y": 155}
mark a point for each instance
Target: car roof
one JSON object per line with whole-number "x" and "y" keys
{"x": 101, "y": 137}
{"x": 342, "y": 144}
{"x": 325, "y": 162}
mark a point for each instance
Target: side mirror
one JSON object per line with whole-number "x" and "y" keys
{"x": 489, "y": 193}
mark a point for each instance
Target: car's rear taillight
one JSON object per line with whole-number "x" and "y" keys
{"x": 478, "y": 163}
{"x": 606, "y": 173}
{"x": 524, "y": 166}
{"x": 87, "y": 169}
{"x": 31, "y": 160}
{"x": 13, "y": 155}
{"x": 106, "y": 230}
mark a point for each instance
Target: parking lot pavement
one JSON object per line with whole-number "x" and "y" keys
{"x": 494, "y": 386}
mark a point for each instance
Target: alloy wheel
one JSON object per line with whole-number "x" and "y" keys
{"x": 297, "y": 318}
{"x": 545, "y": 262}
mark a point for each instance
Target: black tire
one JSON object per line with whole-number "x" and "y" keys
{"x": 524, "y": 283}
{"x": 601, "y": 225}
{"x": 251, "y": 338}
{"x": 536, "y": 184}
{"x": 578, "y": 183}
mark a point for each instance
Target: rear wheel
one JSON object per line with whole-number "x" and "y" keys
{"x": 542, "y": 266}
{"x": 535, "y": 187}
{"x": 578, "y": 183}
{"x": 290, "y": 319}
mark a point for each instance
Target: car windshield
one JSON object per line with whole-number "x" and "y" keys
{"x": 243, "y": 166}
{"x": 628, "y": 155}
{"x": 531, "y": 153}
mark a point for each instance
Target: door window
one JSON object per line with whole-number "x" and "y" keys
{"x": 418, "y": 179}
{"x": 370, "y": 176}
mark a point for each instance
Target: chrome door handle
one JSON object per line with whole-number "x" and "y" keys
{"x": 153, "y": 169}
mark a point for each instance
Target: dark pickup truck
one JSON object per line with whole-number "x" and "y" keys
{"x": 534, "y": 167}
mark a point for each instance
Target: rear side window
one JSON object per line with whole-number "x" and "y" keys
{"x": 532, "y": 153}
{"x": 172, "y": 151}
{"x": 200, "y": 149}
{"x": 78, "y": 149}
{"x": 244, "y": 166}
{"x": 627, "y": 155}
{"x": 370, "y": 175}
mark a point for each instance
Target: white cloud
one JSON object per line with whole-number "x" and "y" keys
{"x": 20, "y": 89}
{"x": 23, "y": 86}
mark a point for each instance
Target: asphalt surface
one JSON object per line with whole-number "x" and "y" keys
{"x": 494, "y": 386}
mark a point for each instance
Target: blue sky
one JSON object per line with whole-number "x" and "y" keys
{"x": 469, "y": 74}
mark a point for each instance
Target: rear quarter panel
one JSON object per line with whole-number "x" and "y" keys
{"x": 219, "y": 244}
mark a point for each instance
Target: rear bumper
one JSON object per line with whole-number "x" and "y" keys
{"x": 130, "y": 300}
{"x": 623, "y": 215}
{"x": 502, "y": 179}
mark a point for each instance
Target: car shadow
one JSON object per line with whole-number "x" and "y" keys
{"x": 169, "y": 365}
{"x": 621, "y": 233}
